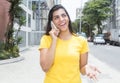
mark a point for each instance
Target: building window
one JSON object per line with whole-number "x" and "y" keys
{"x": 118, "y": 23}
{"x": 24, "y": 2}
{"x": 57, "y": 1}
{"x": 30, "y": 4}
{"x": 118, "y": 12}
{"x": 29, "y": 20}
{"x": 24, "y": 15}
{"x": 118, "y": 3}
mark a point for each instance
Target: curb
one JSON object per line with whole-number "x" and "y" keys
{"x": 13, "y": 60}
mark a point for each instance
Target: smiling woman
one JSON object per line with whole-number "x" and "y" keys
{"x": 63, "y": 56}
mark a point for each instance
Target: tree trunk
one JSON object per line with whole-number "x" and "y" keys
{"x": 99, "y": 28}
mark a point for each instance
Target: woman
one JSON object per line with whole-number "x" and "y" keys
{"x": 63, "y": 54}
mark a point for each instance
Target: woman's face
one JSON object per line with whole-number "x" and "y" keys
{"x": 61, "y": 20}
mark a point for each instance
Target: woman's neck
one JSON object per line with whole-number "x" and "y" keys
{"x": 65, "y": 35}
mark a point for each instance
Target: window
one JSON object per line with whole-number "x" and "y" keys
{"x": 24, "y": 2}
{"x": 30, "y": 4}
{"x": 29, "y": 20}
{"x": 119, "y": 12}
{"x": 24, "y": 15}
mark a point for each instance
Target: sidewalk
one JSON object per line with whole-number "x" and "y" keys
{"x": 29, "y": 71}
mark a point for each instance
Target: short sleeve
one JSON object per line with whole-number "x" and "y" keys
{"x": 85, "y": 47}
{"x": 44, "y": 42}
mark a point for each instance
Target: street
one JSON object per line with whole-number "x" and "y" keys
{"x": 107, "y": 54}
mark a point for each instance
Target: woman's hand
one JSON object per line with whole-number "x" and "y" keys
{"x": 92, "y": 72}
{"x": 54, "y": 33}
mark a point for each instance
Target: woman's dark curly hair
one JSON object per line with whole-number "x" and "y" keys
{"x": 50, "y": 18}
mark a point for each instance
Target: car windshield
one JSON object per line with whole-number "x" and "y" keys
{"x": 98, "y": 38}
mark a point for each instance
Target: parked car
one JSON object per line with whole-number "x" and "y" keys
{"x": 99, "y": 40}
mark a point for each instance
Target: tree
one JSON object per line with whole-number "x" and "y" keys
{"x": 10, "y": 48}
{"x": 76, "y": 25}
{"x": 88, "y": 26}
{"x": 96, "y": 11}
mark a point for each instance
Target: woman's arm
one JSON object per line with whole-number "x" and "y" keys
{"x": 47, "y": 56}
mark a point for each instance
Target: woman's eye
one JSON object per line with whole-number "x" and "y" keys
{"x": 56, "y": 18}
{"x": 63, "y": 15}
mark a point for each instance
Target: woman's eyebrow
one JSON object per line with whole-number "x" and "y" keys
{"x": 59, "y": 15}
{"x": 55, "y": 15}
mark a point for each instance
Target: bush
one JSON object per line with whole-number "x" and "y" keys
{"x": 4, "y": 55}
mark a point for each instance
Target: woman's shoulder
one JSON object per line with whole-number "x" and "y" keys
{"x": 48, "y": 37}
{"x": 45, "y": 36}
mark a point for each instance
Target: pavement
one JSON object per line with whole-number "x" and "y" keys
{"x": 28, "y": 70}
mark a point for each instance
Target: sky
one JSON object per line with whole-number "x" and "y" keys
{"x": 71, "y": 6}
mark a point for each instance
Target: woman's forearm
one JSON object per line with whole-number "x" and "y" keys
{"x": 83, "y": 63}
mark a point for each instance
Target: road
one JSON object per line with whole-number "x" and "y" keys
{"x": 107, "y": 53}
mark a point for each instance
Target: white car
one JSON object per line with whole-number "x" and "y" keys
{"x": 99, "y": 40}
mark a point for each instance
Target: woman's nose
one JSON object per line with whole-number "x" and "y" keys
{"x": 61, "y": 18}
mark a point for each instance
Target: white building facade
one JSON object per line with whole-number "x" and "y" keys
{"x": 36, "y": 13}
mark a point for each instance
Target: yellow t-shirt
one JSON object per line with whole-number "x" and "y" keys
{"x": 65, "y": 68}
